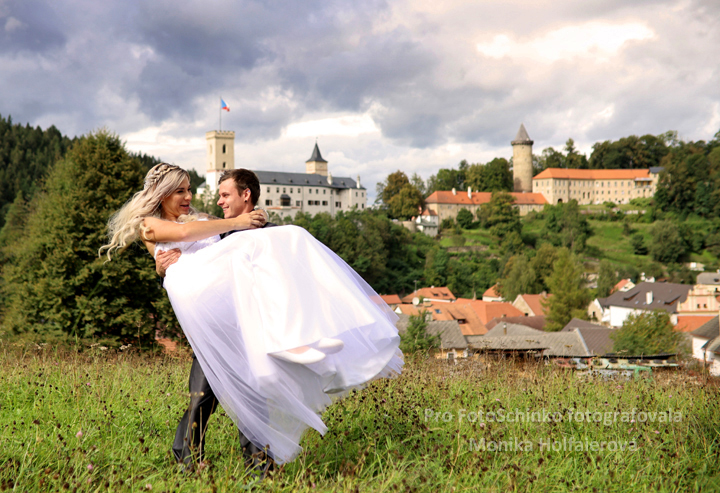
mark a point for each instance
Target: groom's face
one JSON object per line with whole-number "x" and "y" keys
{"x": 231, "y": 201}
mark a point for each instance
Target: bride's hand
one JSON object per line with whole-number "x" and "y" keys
{"x": 250, "y": 220}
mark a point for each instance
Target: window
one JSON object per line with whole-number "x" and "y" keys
{"x": 285, "y": 201}
{"x": 268, "y": 202}
{"x": 317, "y": 191}
{"x": 283, "y": 189}
{"x": 356, "y": 194}
{"x": 277, "y": 189}
{"x": 268, "y": 190}
{"x": 310, "y": 202}
{"x": 317, "y": 202}
{"x": 291, "y": 190}
{"x": 298, "y": 203}
{"x": 362, "y": 194}
{"x": 224, "y": 166}
{"x": 223, "y": 148}
{"x": 324, "y": 191}
{"x": 310, "y": 190}
{"x": 362, "y": 205}
{"x": 338, "y": 205}
{"x": 324, "y": 202}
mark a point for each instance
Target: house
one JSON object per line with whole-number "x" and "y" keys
{"x": 492, "y": 294}
{"x": 503, "y": 329}
{"x": 488, "y": 310}
{"x": 709, "y": 281}
{"x": 623, "y": 285}
{"x": 712, "y": 356}
{"x": 595, "y": 186}
{"x": 688, "y": 323}
{"x": 531, "y": 304}
{"x": 537, "y": 323}
{"x": 452, "y": 342}
{"x": 447, "y": 204}
{"x": 645, "y": 297}
{"x": 701, "y": 336}
{"x": 547, "y": 344}
{"x": 432, "y": 293}
{"x": 428, "y": 223}
{"x": 465, "y": 316}
{"x": 595, "y": 337}
{"x": 701, "y": 300}
{"x": 392, "y": 300}
{"x": 597, "y": 311}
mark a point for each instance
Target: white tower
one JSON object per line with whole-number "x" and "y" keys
{"x": 316, "y": 164}
{"x": 522, "y": 161}
{"x": 220, "y": 156}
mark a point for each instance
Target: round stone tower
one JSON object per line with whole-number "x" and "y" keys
{"x": 522, "y": 161}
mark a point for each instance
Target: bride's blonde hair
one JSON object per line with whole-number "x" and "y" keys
{"x": 126, "y": 225}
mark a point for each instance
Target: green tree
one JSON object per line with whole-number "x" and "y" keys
{"x": 447, "y": 179}
{"x": 416, "y": 338}
{"x": 499, "y": 215}
{"x": 570, "y": 296}
{"x": 550, "y": 158}
{"x": 647, "y": 334}
{"x": 491, "y": 177}
{"x": 667, "y": 245}
{"x": 607, "y": 279}
{"x": 573, "y": 159}
{"x": 637, "y": 241}
{"x": 543, "y": 264}
{"x": 566, "y": 226}
{"x": 465, "y": 218}
{"x": 57, "y": 287}
{"x": 519, "y": 277}
{"x": 398, "y": 197}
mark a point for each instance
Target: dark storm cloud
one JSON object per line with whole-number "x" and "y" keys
{"x": 29, "y": 26}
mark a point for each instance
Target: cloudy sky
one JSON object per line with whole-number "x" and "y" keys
{"x": 383, "y": 85}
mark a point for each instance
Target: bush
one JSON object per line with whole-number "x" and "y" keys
{"x": 416, "y": 338}
{"x": 647, "y": 334}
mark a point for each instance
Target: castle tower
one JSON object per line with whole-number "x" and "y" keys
{"x": 316, "y": 164}
{"x": 522, "y": 161}
{"x": 220, "y": 156}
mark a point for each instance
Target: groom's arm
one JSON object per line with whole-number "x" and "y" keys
{"x": 165, "y": 259}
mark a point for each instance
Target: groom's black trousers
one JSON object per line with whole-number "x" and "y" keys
{"x": 190, "y": 435}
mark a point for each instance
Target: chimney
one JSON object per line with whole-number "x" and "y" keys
{"x": 454, "y": 191}
{"x": 329, "y": 178}
{"x": 470, "y": 192}
{"x": 649, "y": 298}
{"x": 358, "y": 182}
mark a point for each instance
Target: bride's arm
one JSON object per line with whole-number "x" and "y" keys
{"x": 160, "y": 230}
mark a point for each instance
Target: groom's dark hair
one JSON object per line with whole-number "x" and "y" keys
{"x": 244, "y": 179}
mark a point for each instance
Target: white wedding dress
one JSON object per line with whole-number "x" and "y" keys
{"x": 267, "y": 290}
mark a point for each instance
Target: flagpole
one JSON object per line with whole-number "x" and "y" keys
{"x": 220, "y": 115}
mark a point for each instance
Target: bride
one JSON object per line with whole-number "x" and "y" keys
{"x": 280, "y": 324}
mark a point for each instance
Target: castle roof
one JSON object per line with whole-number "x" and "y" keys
{"x": 477, "y": 198}
{"x": 316, "y": 156}
{"x": 305, "y": 179}
{"x": 594, "y": 174}
{"x": 522, "y": 137}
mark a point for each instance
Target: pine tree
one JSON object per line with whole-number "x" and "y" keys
{"x": 569, "y": 297}
{"x": 56, "y": 287}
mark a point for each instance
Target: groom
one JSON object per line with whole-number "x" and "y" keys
{"x": 239, "y": 192}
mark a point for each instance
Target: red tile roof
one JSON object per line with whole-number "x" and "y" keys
{"x": 688, "y": 323}
{"x": 391, "y": 299}
{"x": 440, "y": 293}
{"x": 492, "y": 292}
{"x": 487, "y": 310}
{"x": 428, "y": 212}
{"x": 593, "y": 174}
{"x": 521, "y": 198}
{"x": 533, "y": 301}
{"x": 468, "y": 320}
{"x": 621, "y": 284}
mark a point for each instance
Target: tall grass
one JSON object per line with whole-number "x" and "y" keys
{"x": 99, "y": 421}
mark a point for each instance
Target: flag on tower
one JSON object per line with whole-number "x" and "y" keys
{"x": 223, "y": 105}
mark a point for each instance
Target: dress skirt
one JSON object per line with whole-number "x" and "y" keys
{"x": 267, "y": 290}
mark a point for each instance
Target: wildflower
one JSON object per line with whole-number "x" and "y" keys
{"x": 103, "y": 348}
{"x": 90, "y": 467}
{"x": 88, "y": 384}
{"x": 656, "y": 432}
{"x": 148, "y": 486}
{"x": 482, "y": 425}
{"x": 79, "y": 434}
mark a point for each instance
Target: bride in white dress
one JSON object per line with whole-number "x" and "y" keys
{"x": 249, "y": 302}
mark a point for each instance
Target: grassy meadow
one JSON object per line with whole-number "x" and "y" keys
{"x": 105, "y": 420}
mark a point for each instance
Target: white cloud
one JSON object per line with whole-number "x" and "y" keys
{"x": 598, "y": 40}
{"x": 349, "y": 126}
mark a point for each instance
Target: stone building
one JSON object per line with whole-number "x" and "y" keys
{"x": 596, "y": 186}
{"x": 285, "y": 193}
{"x": 448, "y": 204}
{"x": 522, "y": 161}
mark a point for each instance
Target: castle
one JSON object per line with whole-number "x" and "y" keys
{"x": 286, "y": 194}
